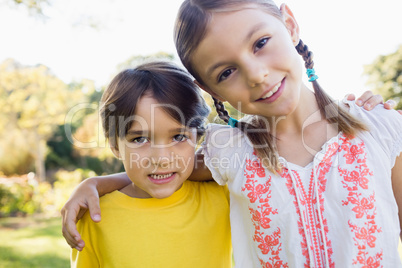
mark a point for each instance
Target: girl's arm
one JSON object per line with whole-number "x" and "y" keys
{"x": 86, "y": 196}
{"x": 397, "y": 186}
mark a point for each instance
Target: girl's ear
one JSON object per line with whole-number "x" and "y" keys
{"x": 291, "y": 24}
{"x": 209, "y": 91}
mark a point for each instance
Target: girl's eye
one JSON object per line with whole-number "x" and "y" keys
{"x": 140, "y": 140}
{"x": 225, "y": 75}
{"x": 180, "y": 137}
{"x": 261, "y": 43}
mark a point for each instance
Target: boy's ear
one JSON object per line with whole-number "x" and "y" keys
{"x": 291, "y": 24}
{"x": 115, "y": 150}
{"x": 209, "y": 91}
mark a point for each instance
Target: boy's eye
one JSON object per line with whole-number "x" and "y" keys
{"x": 180, "y": 137}
{"x": 225, "y": 75}
{"x": 139, "y": 140}
{"x": 261, "y": 43}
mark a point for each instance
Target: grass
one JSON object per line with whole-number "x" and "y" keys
{"x": 37, "y": 242}
{"x": 33, "y": 242}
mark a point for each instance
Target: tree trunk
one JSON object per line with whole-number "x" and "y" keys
{"x": 40, "y": 158}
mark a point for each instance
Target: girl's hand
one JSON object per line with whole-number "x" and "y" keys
{"x": 84, "y": 197}
{"x": 368, "y": 100}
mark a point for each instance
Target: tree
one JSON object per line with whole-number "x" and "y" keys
{"x": 385, "y": 76}
{"x": 33, "y": 103}
{"x": 35, "y": 7}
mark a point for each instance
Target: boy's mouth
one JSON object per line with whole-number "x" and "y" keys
{"x": 161, "y": 176}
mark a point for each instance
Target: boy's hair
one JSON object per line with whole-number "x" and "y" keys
{"x": 169, "y": 85}
{"x": 191, "y": 26}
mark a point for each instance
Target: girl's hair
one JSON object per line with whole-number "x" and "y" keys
{"x": 191, "y": 26}
{"x": 169, "y": 85}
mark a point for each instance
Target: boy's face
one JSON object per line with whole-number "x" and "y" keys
{"x": 157, "y": 152}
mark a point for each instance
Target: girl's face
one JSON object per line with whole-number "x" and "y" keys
{"x": 248, "y": 58}
{"x": 157, "y": 152}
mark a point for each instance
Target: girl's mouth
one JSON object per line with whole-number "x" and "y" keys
{"x": 273, "y": 94}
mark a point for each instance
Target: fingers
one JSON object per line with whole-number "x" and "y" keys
{"x": 368, "y": 100}
{"x": 350, "y": 97}
{"x": 94, "y": 209}
{"x": 389, "y": 104}
{"x": 69, "y": 229}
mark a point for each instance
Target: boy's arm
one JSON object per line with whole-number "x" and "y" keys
{"x": 368, "y": 100}
{"x": 397, "y": 186}
{"x": 200, "y": 171}
{"x": 86, "y": 196}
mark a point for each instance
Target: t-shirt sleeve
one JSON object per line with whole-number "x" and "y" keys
{"x": 218, "y": 149}
{"x": 86, "y": 257}
{"x": 384, "y": 125}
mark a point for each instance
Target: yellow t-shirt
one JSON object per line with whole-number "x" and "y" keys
{"x": 188, "y": 229}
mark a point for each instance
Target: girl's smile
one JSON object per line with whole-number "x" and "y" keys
{"x": 272, "y": 94}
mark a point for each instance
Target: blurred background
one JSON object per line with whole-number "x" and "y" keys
{"x": 56, "y": 57}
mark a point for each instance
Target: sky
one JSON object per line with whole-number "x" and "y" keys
{"x": 344, "y": 35}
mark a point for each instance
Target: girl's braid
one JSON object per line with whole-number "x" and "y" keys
{"x": 326, "y": 105}
{"x": 329, "y": 109}
{"x": 307, "y": 55}
{"x": 220, "y": 109}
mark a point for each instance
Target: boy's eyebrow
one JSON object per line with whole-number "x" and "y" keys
{"x": 180, "y": 129}
{"x": 253, "y": 30}
{"x": 136, "y": 132}
{"x": 173, "y": 130}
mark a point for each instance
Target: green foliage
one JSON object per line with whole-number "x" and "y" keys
{"x": 35, "y": 7}
{"x": 33, "y": 103}
{"x": 385, "y": 76}
{"x": 65, "y": 182}
{"x": 17, "y": 200}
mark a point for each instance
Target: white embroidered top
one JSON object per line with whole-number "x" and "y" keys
{"x": 338, "y": 211}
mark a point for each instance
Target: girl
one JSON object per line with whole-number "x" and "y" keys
{"x": 158, "y": 220}
{"x": 312, "y": 184}
{"x": 321, "y": 185}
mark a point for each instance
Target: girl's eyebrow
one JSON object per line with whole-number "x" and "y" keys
{"x": 252, "y": 31}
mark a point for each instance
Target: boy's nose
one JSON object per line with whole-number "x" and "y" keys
{"x": 162, "y": 156}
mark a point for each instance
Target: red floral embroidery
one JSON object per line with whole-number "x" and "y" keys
{"x": 310, "y": 212}
{"x": 259, "y": 194}
{"x": 355, "y": 182}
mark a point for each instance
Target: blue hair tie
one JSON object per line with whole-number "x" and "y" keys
{"x": 232, "y": 122}
{"x": 311, "y": 75}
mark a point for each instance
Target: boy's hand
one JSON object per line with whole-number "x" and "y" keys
{"x": 368, "y": 100}
{"x": 84, "y": 197}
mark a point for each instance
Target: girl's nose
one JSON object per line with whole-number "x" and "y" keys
{"x": 257, "y": 76}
